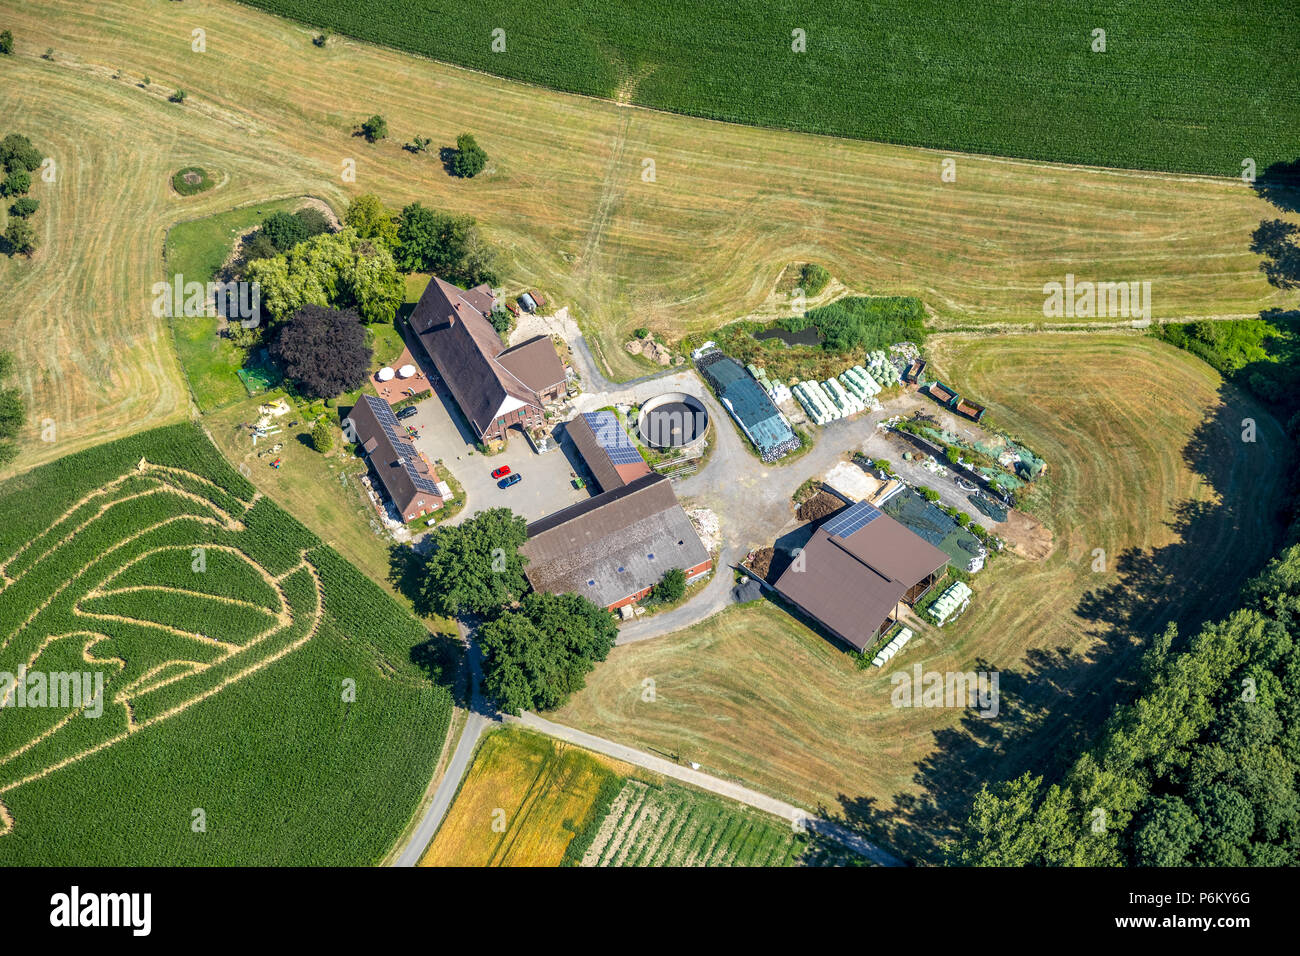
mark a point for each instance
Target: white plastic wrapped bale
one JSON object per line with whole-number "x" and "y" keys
{"x": 810, "y": 404}
{"x": 879, "y": 660}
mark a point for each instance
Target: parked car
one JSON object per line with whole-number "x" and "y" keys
{"x": 501, "y": 472}
{"x": 509, "y": 480}
{"x": 407, "y": 412}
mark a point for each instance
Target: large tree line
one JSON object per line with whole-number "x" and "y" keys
{"x": 1202, "y": 766}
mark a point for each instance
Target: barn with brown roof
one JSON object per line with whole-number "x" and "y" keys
{"x": 496, "y": 387}
{"x": 613, "y": 548}
{"x": 411, "y": 483}
{"x": 857, "y": 572}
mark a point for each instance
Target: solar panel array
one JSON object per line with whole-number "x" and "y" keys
{"x": 393, "y": 429}
{"x": 611, "y": 437}
{"x": 852, "y": 519}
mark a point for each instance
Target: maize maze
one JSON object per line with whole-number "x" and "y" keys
{"x": 197, "y": 603}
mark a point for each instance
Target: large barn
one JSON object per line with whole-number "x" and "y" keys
{"x": 857, "y": 572}
{"x": 496, "y": 387}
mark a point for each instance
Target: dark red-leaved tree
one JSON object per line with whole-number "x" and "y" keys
{"x": 323, "y": 351}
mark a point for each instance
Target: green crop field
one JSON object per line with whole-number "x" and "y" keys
{"x": 1181, "y": 84}
{"x": 262, "y": 702}
{"x": 674, "y": 826}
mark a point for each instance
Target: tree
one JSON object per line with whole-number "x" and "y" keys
{"x": 470, "y": 159}
{"x": 17, "y": 152}
{"x": 322, "y": 439}
{"x": 6, "y": 42}
{"x": 375, "y": 128}
{"x": 448, "y": 246}
{"x": 16, "y": 183}
{"x": 20, "y": 237}
{"x": 1168, "y": 832}
{"x": 475, "y": 566}
{"x": 286, "y": 230}
{"x": 535, "y": 657}
{"x": 323, "y": 351}
{"x": 24, "y": 207}
{"x": 372, "y": 220}
{"x": 671, "y": 587}
{"x": 338, "y": 269}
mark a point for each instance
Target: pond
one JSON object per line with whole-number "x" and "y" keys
{"x": 809, "y": 336}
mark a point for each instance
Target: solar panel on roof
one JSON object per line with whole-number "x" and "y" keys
{"x": 854, "y": 518}
{"x": 611, "y": 437}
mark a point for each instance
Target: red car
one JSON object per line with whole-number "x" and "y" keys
{"x": 501, "y": 472}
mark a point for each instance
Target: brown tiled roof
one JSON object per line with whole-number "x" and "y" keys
{"x": 453, "y": 326}
{"x": 613, "y": 545}
{"x": 535, "y": 363}
{"x": 393, "y": 463}
{"x": 851, "y": 584}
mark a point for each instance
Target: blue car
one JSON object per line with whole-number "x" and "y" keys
{"x": 509, "y": 480}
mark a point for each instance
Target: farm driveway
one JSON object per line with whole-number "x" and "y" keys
{"x": 547, "y": 479}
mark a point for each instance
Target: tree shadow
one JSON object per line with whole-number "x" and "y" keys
{"x": 447, "y": 155}
{"x": 1280, "y": 185}
{"x": 1278, "y": 242}
{"x": 1054, "y": 703}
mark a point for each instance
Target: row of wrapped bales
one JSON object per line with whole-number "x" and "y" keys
{"x": 846, "y": 403}
{"x": 857, "y": 381}
{"x": 893, "y": 647}
{"x": 952, "y": 600}
{"x": 815, "y": 402}
{"x": 881, "y": 369}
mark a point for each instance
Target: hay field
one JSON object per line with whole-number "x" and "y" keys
{"x": 522, "y": 802}
{"x": 270, "y": 116}
{"x": 1146, "y": 462}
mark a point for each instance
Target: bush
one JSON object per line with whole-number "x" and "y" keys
{"x": 864, "y": 323}
{"x": 191, "y": 180}
{"x": 375, "y": 129}
{"x": 321, "y": 437}
{"x": 470, "y": 159}
{"x": 6, "y": 42}
{"x": 813, "y": 279}
{"x": 20, "y": 238}
{"x": 642, "y": 333}
{"x": 24, "y": 207}
{"x": 963, "y": 519}
{"x": 16, "y": 183}
{"x": 671, "y": 587}
{"x": 319, "y": 39}
{"x": 929, "y": 494}
{"x": 177, "y": 97}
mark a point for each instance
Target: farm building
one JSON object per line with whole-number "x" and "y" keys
{"x": 411, "y": 483}
{"x": 496, "y": 387}
{"x": 607, "y": 449}
{"x": 615, "y": 547}
{"x": 751, "y": 407}
{"x": 857, "y": 571}
{"x": 927, "y": 520}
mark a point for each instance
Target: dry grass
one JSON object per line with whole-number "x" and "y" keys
{"x": 521, "y": 803}
{"x": 1146, "y": 463}
{"x": 270, "y": 115}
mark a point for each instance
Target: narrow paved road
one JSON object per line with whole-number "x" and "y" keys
{"x": 696, "y": 778}
{"x": 481, "y": 716}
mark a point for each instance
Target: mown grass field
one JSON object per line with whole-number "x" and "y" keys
{"x": 1182, "y": 84}
{"x": 271, "y": 116}
{"x": 1146, "y": 462}
{"x": 529, "y": 800}
{"x": 243, "y": 697}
